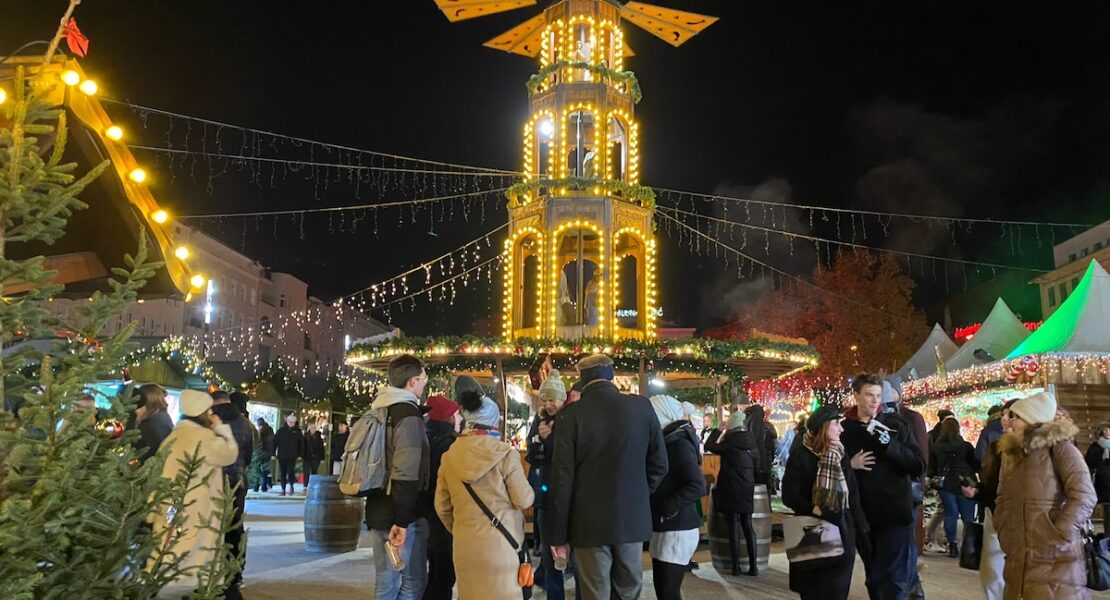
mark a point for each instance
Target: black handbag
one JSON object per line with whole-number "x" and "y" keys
{"x": 1096, "y": 555}
{"x": 971, "y": 549}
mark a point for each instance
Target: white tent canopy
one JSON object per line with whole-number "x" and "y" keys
{"x": 1081, "y": 324}
{"x": 1000, "y": 333}
{"x": 924, "y": 362}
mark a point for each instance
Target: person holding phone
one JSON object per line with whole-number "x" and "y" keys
{"x": 199, "y": 434}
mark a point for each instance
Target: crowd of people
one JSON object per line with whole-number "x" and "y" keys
{"x": 608, "y": 472}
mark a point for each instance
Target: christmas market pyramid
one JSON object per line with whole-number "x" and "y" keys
{"x": 924, "y": 362}
{"x": 1000, "y": 333}
{"x": 1081, "y": 324}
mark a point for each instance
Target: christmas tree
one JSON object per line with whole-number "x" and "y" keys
{"x": 75, "y": 504}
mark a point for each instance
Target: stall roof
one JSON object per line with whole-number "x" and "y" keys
{"x": 924, "y": 362}
{"x": 1081, "y": 324}
{"x": 1000, "y": 333}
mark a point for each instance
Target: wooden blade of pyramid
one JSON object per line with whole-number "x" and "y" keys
{"x": 524, "y": 39}
{"x": 672, "y": 26}
{"x": 460, "y": 10}
{"x": 628, "y": 51}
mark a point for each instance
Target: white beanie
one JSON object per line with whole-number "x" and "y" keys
{"x": 194, "y": 403}
{"x": 1035, "y": 409}
{"x": 667, "y": 408}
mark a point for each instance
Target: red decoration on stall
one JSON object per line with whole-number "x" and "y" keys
{"x": 77, "y": 42}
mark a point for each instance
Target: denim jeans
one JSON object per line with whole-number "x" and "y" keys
{"x": 408, "y": 584}
{"x": 956, "y": 506}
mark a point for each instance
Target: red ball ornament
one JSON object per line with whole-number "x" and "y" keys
{"x": 110, "y": 428}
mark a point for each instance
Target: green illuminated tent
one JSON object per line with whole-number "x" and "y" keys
{"x": 1000, "y": 333}
{"x": 1081, "y": 324}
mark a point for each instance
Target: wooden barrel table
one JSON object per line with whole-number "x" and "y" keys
{"x": 332, "y": 520}
{"x": 761, "y": 524}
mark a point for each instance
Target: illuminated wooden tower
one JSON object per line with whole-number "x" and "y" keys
{"x": 580, "y": 256}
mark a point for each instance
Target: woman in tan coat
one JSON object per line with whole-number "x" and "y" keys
{"x": 1044, "y": 497}
{"x": 485, "y": 562}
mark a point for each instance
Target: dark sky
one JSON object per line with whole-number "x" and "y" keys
{"x": 993, "y": 109}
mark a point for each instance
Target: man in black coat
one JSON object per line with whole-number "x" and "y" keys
{"x": 608, "y": 458}
{"x": 236, "y": 474}
{"x": 886, "y": 459}
{"x": 289, "y": 446}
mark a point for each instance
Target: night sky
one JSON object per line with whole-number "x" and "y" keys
{"x": 994, "y": 109}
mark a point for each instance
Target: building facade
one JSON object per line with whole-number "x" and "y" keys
{"x": 1071, "y": 258}
{"x": 248, "y": 314}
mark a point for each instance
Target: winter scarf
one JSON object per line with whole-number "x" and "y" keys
{"x": 1105, "y": 445}
{"x": 830, "y": 491}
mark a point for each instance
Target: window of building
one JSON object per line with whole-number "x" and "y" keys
{"x": 1072, "y": 257}
{"x": 1098, "y": 246}
{"x": 281, "y": 301}
{"x": 1084, "y": 252}
{"x": 1052, "y": 296}
{"x": 1063, "y": 289}
{"x": 254, "y": 297}
{"x": 1074, "y": 283}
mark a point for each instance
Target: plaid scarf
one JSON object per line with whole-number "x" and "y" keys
{"x": 830, "y": 490}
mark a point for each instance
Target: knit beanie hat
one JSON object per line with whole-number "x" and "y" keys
{"x": 553, "y": 388}
{"x": 194, "y": 403}
{"x": 737, "y": 420}
{"x": 667, "y": 408}
{"x": 476, "y": 406}
{"x": 1035, "y": 409}
{"x": 441, "y": 408}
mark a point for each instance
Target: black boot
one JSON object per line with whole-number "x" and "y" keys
{"x": 953, "y": 550}
{"x": 749, "y": 543}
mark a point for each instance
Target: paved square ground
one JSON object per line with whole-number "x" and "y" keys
{"x": 279, "y": 568}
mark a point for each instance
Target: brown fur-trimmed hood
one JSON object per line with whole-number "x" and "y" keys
{"x": 1038, "y": 437}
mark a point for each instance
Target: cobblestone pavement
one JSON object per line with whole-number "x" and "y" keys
{"x": 279, "y": 568}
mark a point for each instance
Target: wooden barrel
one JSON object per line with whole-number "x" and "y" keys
{"x": 332, "y": 520}
{"x": 761, "y": 524}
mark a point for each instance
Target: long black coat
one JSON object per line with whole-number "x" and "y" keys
{"x": 289, "y": 443}
{"x": 735, "y": 489}
{"x": 314, "y": 445}
{"x": 765, "y": 440}
{"x": 885, "y": 490}
{"x": 241, "y": 430}
{"x": 608, "y": 459}
{"x": 440, "y": 437}
{"x": 953, "y": 459}
{"x": 834, "y": 580}
{"x": 1100, "y": 468}
{"x": 266, "y": 439}
{"x": 672, "y": 504}
{"x": 152, "y": 430}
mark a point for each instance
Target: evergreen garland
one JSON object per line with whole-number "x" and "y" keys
{"x": 629, "y": 192}
{"x": 627, "y": 79}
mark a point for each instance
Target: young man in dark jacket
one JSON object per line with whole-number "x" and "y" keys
{"x": 289, "y": 446}
{"x": 339, "y": 445}
{"x": 393, "y": 514}
{"x": 443, "y": 426}
{"x": 236, "y": 474}
{"x": 886, "y": 460}
{"x": 608, "y": 459}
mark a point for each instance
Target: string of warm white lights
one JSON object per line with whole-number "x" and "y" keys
{"x": 818, "y": 240}
{"x": 327, "y": 209}
{"x": 764, "y": 266}
{"x": 445, "y": 284}
{"x": 304, "y": 163}
{"x": 300, "y": 140}
{"x": 678, "y": 196}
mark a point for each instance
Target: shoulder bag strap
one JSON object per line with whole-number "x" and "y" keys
{"x": 492, "y": 518}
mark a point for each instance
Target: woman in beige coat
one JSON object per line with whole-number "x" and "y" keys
{"x": 1044, "y": 497}
{"x": 199, "y": 433}
{"x": 485, "y": 562}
